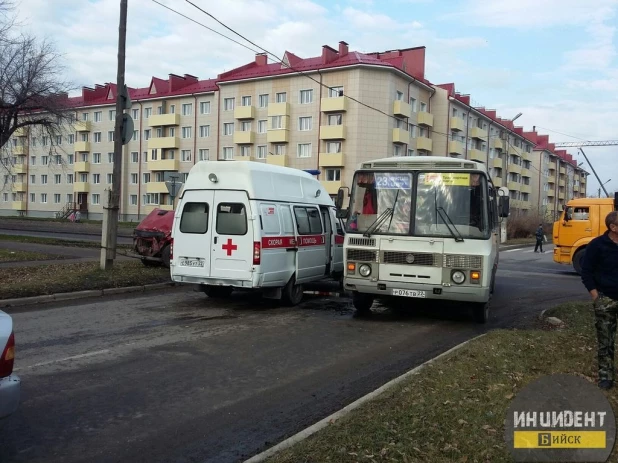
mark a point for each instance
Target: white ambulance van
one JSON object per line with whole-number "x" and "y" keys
{"x": 249, "y": 225}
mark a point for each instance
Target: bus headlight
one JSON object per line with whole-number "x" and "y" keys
{"x": 458, "y": 277}
{"x": 364, "y": 270}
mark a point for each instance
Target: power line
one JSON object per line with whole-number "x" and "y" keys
{"x": 565, "y": 134}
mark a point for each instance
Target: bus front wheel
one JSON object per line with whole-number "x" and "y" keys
{"x": 480, "y": 311}
{"x": 362, "y": 303}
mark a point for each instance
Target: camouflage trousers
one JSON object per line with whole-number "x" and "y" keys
{"x": 605, "y": 313}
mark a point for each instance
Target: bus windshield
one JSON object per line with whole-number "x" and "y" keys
{"x": 439, "y": 204}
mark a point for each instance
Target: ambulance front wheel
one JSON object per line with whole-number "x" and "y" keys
{"x": 362, "y": 303}
{"x": 292, "y": 293}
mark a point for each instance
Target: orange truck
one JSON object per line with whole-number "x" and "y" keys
{"x": 582, "y": 220}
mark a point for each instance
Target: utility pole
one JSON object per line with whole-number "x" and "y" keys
{"x": 110, "y": 213}
{"x": 595, "y": 174}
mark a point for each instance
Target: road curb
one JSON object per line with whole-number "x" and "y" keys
{"x": 22, "y": 301}
{"x": 305, "y": 433}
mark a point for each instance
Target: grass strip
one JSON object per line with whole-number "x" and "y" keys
{"x": 7, "y": 255}
{"x": 61, "y": 278}
{"x": 53, "y": 219}
{"x": 56, "y": 241}
{"x": 454, "y": 409}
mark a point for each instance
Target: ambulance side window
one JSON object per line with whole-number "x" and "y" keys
{"x": 308, "y": 221}
{"x": 286, "y": 220}
{"x": 231, "y": 219}
{"x": 270, "y": 219}
{"x": 194, "y": 218}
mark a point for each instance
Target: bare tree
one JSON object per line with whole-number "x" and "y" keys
{"x": 33, "y": 95}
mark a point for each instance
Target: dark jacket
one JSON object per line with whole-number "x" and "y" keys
{"x": 539, "y": 233}
{"x": 600, "y": 266}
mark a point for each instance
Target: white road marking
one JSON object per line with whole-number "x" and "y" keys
{"x": 73, "y": 357}
{"x": 512, "y": 250}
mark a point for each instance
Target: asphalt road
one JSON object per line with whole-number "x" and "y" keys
{"x": 177, "y": 377}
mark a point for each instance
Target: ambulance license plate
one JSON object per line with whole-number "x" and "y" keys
{"x": 408, "y": 293}
{"x": 191, "y": 262}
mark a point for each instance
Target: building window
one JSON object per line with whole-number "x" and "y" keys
{"x": 245, "y": 101}
{"x": 69, "y": 178}
{"x": 44, "y": 198}
{"x": 44, "y": 179}
{"x": 135, "y": 135}
{"x": 305, "y": 123}
{"x": 228, "y": 152}
{"x": 96, "y": 178}
{"x": 57, "y": 198}
{"x": 98, "y": 116}
{"x": 146, "y": 178}
{"x": 333, "y": 147}
{"x": 205, "y": 107}
{"x": 306, "y": 96}
{"x": 134, "y": 157}
{"x": 57, "y": 179}
{"x": 262, "y": 126}
{"x": 279, "y": 149}
{"x": 83, "y": 178}
{"x": 44, "y": 160}
{"x": 336, "y": 92}
{"x": 276, "y": 122}
{"x": 96, "y": 199}
{"x": 228, "y": 128}
{"x": 134, "y": 179}
{"x": 112, "y": 114}
{"x": 245, "y": 126}
{"x": 228, "y": 104}
{"x": 304, "y": 150}
{"x": 135, "y": 114}
{"x": 204, "y": 155}
{"x": 399, "y": 96}
{"x": 263, "y": 101}
{"x": 333, "y": 175}
{"x": 147, "y": 112}
{"x": 186, "y": 132}
{"x": 187, "y": 109}
{"x": 96, "y": 158}
{"x": 185, "y": 155}
{"x": 281, "y": 97}
{"x": 335, "y": 119}
{"x": 396, "y": 150}
{"x": 110, "y": 178}
{"x": 245, "y": 151}
{"x": 261, "y": 152}
{"x": 204, "y": 131}
{"x": 413, "y": 104}
{"x": 110, "y": 136}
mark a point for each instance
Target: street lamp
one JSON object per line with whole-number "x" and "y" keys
{"x": 516, "y": 117}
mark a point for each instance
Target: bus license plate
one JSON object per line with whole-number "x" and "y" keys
{"x": 408, "y": 293}
{"x": 192, "y": 262}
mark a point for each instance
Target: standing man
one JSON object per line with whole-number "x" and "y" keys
{"x": 600, "y": 277}
{"x": 539, "y": 238}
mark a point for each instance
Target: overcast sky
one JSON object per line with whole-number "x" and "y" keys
{"x": 552, "y": 60}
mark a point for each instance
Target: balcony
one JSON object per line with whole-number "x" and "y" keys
{"x": 401, "y": 136}
{"x": 331, "y": 160}
{"x": 478, "y": 155}
{"x": 513, "y": 150}
{"x": 163, "y": 143}
{"x": 332, "y": 187}
{"x": 156, "y": 187}
{"x": 278, "y": 135}
{"x": 497, "y": 162}
{"x": 563, "y": 170}
{"x": 456, "y": 147}
{"x": 81, "y": 187}
{"x": 19, "y": 187}
{"x": 21, "y": 132}
{"x": 457, "y": 123}
{"x": 19, "y": 205}
{"x": 278, "y": 109}
{"x": 552, "y": 166}
{"x": 525, "y": 172}
{"x": 338, "y": 104}
{"x": 425, "y": 118}
{"x": 277, "y": 160}
{"x": 19, "y": 150}
{"x": 525, "y": 205}
{"x": 576, "y": 188}
{"x": 81, "y": 147}
{"x": 513, "y": 186}
{"x": 244, "y": 112}
{"x": 424, "y": 144}
{"x": 19, "y": 169}
{"x": 551, "y": 193}
{"x": 160, "y": 120}
{"x": 401, "y": 108}
{"x": 497, "y": 144}
{"x": 562, "y": 183}
{"x": 525, "y": 156}
{"x": 561, "y": 195}
{"x": 526, "y": 188}
{"x": 497, "y": 181}
{"x": 332, "y": 132}
{"x": 244, "y": 138}
{"x": 515, "y": 168}
{"x": 479, "y": 133}
{"x": 163, "y": 164}
{"x": 81, "y": 166}
{"x": 241, "y": 158}
{"x": 82, "y": 126}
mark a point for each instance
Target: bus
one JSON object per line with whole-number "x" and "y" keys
{"x": 422, "y": 228}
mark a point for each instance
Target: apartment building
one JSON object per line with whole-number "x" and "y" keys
{"x": 327, "y": 113}
{"x": 476, "y": 133}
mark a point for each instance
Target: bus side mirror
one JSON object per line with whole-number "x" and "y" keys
{"x": 503, "y": 206}
{"x": 340, "y": 197}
